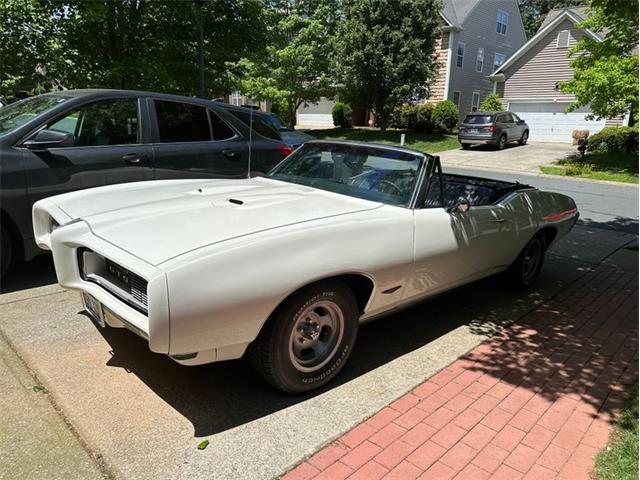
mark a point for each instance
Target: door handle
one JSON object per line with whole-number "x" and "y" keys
{"x": 133, "y": 158}
{"x": 227, "y": 152}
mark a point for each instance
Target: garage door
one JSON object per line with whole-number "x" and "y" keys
{"x": 548, "y": 121}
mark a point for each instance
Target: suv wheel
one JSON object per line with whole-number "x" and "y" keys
{"x": 502, "y": 142}
{"x": 525, "y": 137}
{"x": 6, "y": 251}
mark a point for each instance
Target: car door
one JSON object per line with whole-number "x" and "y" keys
{"x": 518, "y": 126}
{"x": 108, "y": 148}
{"x": 511, "y": 126}
{"x": 192, "y": 141}
{"x": 453, "y": 248}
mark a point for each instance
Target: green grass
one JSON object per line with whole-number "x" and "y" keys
{"x": 619, "y": 461}
{"x": 423, "y": 142}
{"x": 615, "y": 167}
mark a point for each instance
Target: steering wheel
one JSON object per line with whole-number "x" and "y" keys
{"x": 387, "y": 183}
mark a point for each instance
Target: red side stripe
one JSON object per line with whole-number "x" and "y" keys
{"x": 558, "y": 216}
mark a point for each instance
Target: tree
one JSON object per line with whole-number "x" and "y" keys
{"x": 294, "y": 68}
{"x": 533, "y": 12}
{"x": 384, "y": 52}
{"x": 491, "y": 103}
{"x": 138, "y": 44}
{"x": 606, "y": 72}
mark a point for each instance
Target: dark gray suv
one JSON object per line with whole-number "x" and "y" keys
{"x": 492, "y": 128}
{"x": 65, "y": 141}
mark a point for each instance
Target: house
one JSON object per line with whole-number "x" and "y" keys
{"x": 476, "y": 37}
{"x": 529, "y": 80}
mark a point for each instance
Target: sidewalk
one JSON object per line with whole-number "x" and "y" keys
{"x": 538, "y": 401}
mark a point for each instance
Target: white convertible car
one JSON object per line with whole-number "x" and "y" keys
{"x": 285, "y": 267}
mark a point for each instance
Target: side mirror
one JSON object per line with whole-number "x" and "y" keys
{"x": 520, "y": 122}
{"x": 461, "y": 206}
{"x": 45, "y": 139}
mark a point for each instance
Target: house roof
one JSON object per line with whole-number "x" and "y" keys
{"x": 580, "y": 12}
{"x": 455, "y": 12}
{"x": 557, "y": 18}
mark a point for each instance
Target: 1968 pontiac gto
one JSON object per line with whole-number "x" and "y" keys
{"x": 285, "y": 267}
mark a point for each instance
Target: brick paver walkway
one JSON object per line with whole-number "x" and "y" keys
{"x": 535, "y": 402}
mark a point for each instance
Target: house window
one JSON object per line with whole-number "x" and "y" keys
{"x": 563, "y": 39}
{"x": 236, "y": 98}
{"x": 502, "y": 20}
{"x": 475, "y": 102}
{"x": 498, "y": 59}
{"x": 456, "y": 98}
{"x": 480, "y": 60}
{"x": 460, "y": 57}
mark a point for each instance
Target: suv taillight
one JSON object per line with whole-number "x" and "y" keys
{"x": 285, "y": 150}
{"x": 489, "y": 128}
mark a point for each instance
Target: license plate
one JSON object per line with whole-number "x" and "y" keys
{"x": 93, "y": 308}
{"x": 473, "y": 130}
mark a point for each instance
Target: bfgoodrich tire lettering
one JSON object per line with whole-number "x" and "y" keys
{"x": 308, "y": 339}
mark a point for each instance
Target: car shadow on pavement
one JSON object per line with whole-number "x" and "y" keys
{"x": 221, "y": 396}
{"x": 35, "y": 273}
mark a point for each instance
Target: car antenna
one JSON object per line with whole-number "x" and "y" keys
{"x": 250, "y": 137}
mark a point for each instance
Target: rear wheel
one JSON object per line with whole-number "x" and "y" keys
{"x": 524, "y": 138}
{"x": 308, "y": 339}
{"x": 502, "y": 142}
{"x": 466, "y": 146}
{"x": 524, "y": 271}
{"x": 6, "y": 251}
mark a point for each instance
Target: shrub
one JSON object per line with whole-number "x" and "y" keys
{"x": 424, "y": 118}
{"x": 615, "y": 139}
{"x": 413, "y": 117}
{"x": 491, "y": 103}
{"x": 341, "y": 114}
{"x": 445, "y": 115}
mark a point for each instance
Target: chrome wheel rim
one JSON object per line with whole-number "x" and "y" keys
{"x": 531, "y": 260}
{"x": 525, "y": 137}
{"x": 316, "y": 335}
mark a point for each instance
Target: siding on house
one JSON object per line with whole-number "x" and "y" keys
{"x": 479, "y": 31}
{"x": 536, "y": 74}
{"x": 442, "y": 55}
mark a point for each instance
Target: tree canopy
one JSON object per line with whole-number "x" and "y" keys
{"x": 606, "y": 72}
{"x": 384, "y": 52}
{"x": 533, "y": 12}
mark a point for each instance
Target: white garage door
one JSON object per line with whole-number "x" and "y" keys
{"x": 548, "y": 121}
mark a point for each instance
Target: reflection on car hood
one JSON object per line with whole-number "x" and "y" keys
{"x": 294, "y": 137}
{"x": 159, "y": 220}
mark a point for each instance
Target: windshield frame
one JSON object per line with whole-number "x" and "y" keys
{"x": 425, "y": 165}
{"x": 56, "y": 101}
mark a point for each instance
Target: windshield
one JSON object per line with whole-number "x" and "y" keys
{"x": 478, "y": 119}
{"x": 372, "y": 173}
{"x": 17, "y": 114}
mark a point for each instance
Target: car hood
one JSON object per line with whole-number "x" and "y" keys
{"x": 160, "y": 220}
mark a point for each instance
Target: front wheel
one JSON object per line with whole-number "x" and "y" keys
{"x": 525, "y": 269}
{"x": 524, "y": 138}
{"x": 6, "y": 251}
{"x": 308, "y": 339}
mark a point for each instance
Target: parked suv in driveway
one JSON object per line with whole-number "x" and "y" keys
{"x": 65, "y": 141}
{"x": 492, "y": 128}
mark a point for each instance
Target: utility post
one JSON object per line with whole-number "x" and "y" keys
{"x": 200, "y": 4}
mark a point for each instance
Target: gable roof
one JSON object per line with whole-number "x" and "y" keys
{"x": 457, "y": 11}
{"x": 580, "y": 12}
{"x": 558, "y": 18}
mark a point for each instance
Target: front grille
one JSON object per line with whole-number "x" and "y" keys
{"x": 118, "y": 280}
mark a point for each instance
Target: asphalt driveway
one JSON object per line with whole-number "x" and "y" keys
{"x": 144, "y": 415}
{"x": 514, "y": 158}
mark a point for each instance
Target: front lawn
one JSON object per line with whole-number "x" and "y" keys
{"x": 424, "y": 142}
{"x": 619, "y": 460}
{"x": 615, "y": 167}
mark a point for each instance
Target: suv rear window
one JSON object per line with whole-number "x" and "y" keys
{"x": 182, "y": 122}
{"x": 259, "y": 124}
{"x": 478, "y": 119}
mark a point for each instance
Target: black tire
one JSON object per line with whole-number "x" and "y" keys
{"x": 466, "y": 146}
{"x": 525, "y": 269}
{"x": 525, "y": 137}
{"x": 6, "y": 251}
{"x": 278, "y": 355}
{"x": 502, "y": 142}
